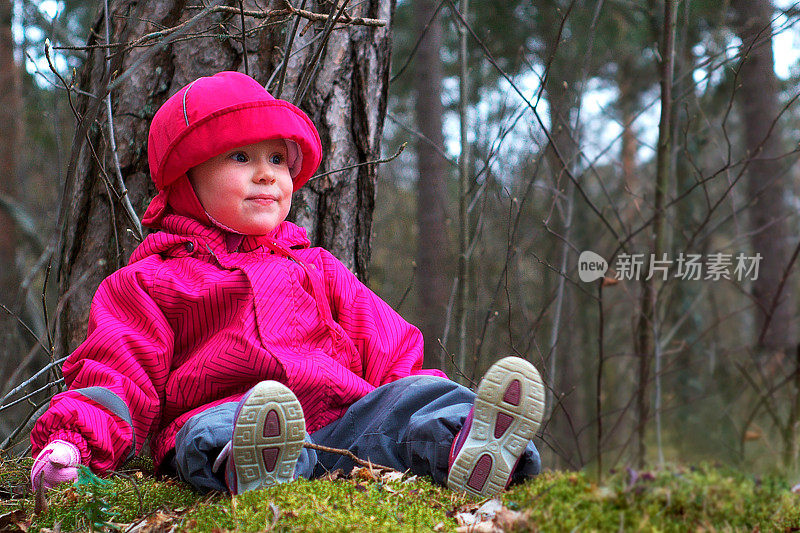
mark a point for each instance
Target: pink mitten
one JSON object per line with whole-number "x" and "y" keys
{"x": 55, "y": 464}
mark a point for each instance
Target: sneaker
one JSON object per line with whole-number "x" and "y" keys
{"x": 268, "y": 433}
{"x": 507, "y": 412}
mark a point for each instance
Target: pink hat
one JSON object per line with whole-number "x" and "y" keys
{"x": 216, "y": 113}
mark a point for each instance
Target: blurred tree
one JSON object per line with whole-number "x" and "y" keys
{"x": 433, "y": 244}
{"x": 11, "y": 125}
{"x": 759, "y": 100}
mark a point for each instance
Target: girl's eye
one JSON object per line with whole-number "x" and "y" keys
{"x": 276, "y": 159}
{"x": 239, "y": 157}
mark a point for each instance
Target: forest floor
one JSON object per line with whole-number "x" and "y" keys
{"x": 701, "y": 498}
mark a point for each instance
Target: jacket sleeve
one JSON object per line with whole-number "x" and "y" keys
{"x": 116, "y": 377}
{"x": 390, "y": 348}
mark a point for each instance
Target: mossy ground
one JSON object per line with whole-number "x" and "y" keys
{"x": 703, "y": 498}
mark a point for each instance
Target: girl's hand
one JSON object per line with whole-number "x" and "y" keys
{"x": 55, "y": 464}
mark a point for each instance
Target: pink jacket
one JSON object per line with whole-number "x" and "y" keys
{"x": 191, "y": 323}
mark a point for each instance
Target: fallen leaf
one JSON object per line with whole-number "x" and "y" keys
{"x": 363, "y": 473}
{"x": 276, "y": 514}
{"x": 333, "y": 476}
{"x": 392, "y": 475}
{"x": 156, "y": 521}
{"x": 483, "y": 527}
{"x": 603, "y": 493}
{"x": 752, "y": 435}
{"x": 40, "y": 505}
{"x": 485, "y": 512}
{"x": 13, "y": 521}
{"x": 508, "y": 520}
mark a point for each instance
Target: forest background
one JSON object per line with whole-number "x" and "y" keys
{"x": 533, "y": 131}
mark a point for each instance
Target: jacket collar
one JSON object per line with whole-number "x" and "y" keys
{"x": 179, "y": 230}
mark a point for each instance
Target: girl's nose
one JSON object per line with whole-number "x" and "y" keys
{"x": 264, "y": 173}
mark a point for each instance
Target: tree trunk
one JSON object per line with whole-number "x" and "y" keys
{"x": 432, "y": 241}
{"x": 562, "y": 374}
{"x": 346, "y": 99}
{"x": 759, "y": 102}
{"x": 10, "y": 125}
{"x": 630, "y": 178}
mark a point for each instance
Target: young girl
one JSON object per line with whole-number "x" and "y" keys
{"x": 228, "y": 341}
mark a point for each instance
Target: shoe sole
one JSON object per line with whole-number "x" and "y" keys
{"x": 268, "y": 434}
{"x": 509, "y": 407}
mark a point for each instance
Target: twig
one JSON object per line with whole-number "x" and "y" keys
{"x": 765, "y": 397}
{"x": 423, "y": 137}
{"x": 24, "y": 325}
{"x": 539, "y": 121}
{"x": 456, "y": 369}
{"x": 317, "y": 17}
{"x": 244, "y": 40}
{"x": 302, "y": 13}
{"x": 27, "y": 382}
{"x": 22, "y": 365}
{"x": 288, "y": 53}
{"x": 417, "y": 44}
{"x": 374, "y": 162}
{"x": 271, "y": 14}
{"x": 311, "y": 69}
{"x": 151, "y": 51}
{"x": 32, "y": 11}
{"x": 279, "y": 68}
{"x": 22, "y": 218}
{"x": 446, "y": 333}
{"x": 776, "y": 296}
{"x": 30, "y": 395}
{"x": 43, "y": 258}
{"x": 26, "y": 424}
{"x": 408, "y": 289}
{"x": 135, "y": 488}
{"x": 347, "y": 453}
{"x": 50, "y": 342}
{"x": 40, "y": 507}
{"x": 599, "y": 381}
{"x": 123, "y": 194}
{"x": 128, "y": 209}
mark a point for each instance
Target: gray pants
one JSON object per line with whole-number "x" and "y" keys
{"x": 408, "y": 424}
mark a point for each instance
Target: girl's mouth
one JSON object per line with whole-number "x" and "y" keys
{"x": 263, "y": 199}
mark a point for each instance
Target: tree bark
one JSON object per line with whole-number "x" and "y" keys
{"x": 433, "y": 246}
{"x": 346, "y": 99}
{"x": 759, "y": 101}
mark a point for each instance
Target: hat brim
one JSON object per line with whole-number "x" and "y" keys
{"x": 240, "y": 125}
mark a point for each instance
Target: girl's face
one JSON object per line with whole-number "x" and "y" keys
{"x": 248, "y": 189}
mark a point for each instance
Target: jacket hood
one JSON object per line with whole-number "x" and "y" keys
{"x": 214, "y": 114}
{"x": 184, "y": 235}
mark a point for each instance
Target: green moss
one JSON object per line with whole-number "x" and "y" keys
{"x": 341, "y": 505}
{"x": 99, "y": 504}
{"x": 675, "y": 499}
{"x": 670, "y": 500}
